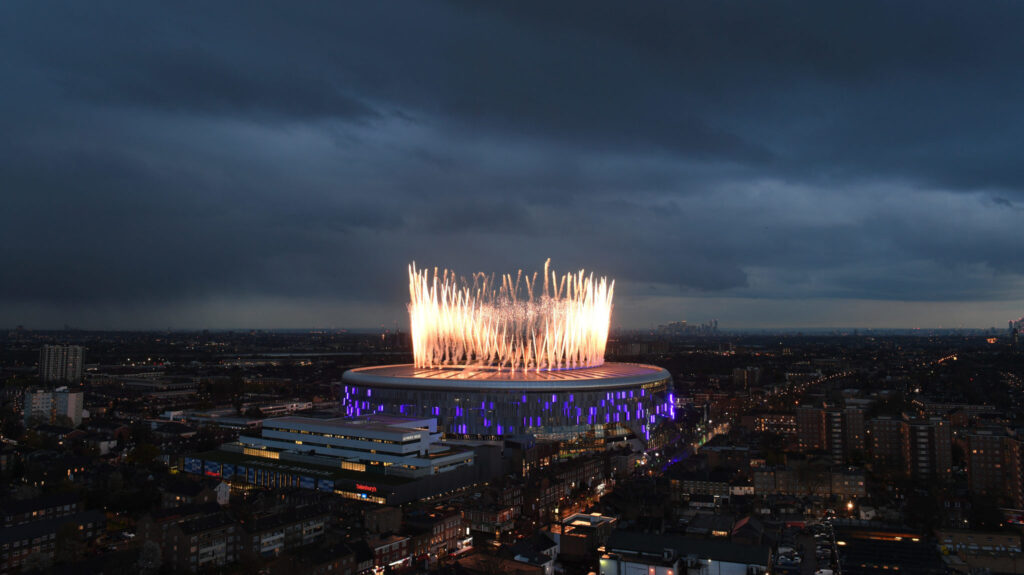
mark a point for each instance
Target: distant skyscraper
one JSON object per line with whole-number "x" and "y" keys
{"x": 60, "y": 363}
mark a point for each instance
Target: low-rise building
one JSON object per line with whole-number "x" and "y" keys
{"x": 398, "y": 446}
{"x": 809, "y": 480}
{"x": 383, "y": 519}
{"x": 489, "y": 518}
{"x": 379, "y": 459}
{"x": 483, "y": 564}
{"x": 268, "y": 536}
{"x": 21, "y": 511}
{"x": 630, "y": 552}
{"x": 32, "y": 545}
{"x": 201, "y": 543}
{"x": 338, "y": 559}
{"x": 580, "y": 534}
{"x": 444, "y": 528}
{"x": 192, "y": 537}
{"x": 699, "y": 483}
{"x": 392, "y": 551}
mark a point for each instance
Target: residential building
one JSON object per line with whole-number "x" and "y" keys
{"x": 838, "y": 431}
{"x": 915, "y": 447}
{"x": 444, "y": 527}
{"x": 22, "y": 511}
{"x": 994, "y": 464}
{"x": 928, "y": 448}
{"x": 699, "y": 483}
{"x": 192, "y": 536}
{"x": 781, "y": 423}
{"x": 268, "y": 536}
{"x": 204, "y": 542}
{"x": 60, "y": 363}
{"x": 854, "y": 431}
{"x": 392, "y": 551}
{"x": 383, "y": 519}
{"x": 53, "y": 406}
{"x": 885, "y": 443}
{"x": 490, "y": 518}
{"x": 33, "y": 544}
{"x": 843, "y": 481}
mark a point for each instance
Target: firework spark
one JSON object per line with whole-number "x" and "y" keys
{"x": 517, "y": 322}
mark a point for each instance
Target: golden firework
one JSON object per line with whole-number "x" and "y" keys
{"x": 519, "y": 322}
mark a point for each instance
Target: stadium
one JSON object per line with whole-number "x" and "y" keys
{"x": 492, "y": 364}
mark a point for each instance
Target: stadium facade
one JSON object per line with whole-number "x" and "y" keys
{"x": 592, "y": 406}
{"x": 512, "y": 357}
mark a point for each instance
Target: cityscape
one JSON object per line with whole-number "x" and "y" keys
{"x": 515, "y": 288}
{"x": 687, "y": 450}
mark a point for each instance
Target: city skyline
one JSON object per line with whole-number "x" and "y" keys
{"x": 796, "y": 166}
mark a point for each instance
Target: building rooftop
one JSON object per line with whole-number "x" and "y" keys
{"x": 18, "y": 506}
{"x": 290, "y": 516}
{"x": 320, "y": 471}
{"x": 376, "y": 422}
{"x": 207, "y": 523}
{"x": 654, "y": 545}
{"x": 609, "y": 375}
{"x": 184, "y": 512}
{"x": 38, "y": 528}
{"x": 587, "y": 519}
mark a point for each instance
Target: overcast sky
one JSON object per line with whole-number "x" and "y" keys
{"x": 766, "y": 164}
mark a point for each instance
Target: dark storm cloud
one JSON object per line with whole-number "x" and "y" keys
{"x": 160, "y": 154}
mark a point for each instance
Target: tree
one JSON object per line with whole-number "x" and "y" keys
{"x": 11, "y": 421}
{"x": 67, "y": 546}
{"x": 144, "y": 454}
{"x": 959, "y": 455}
{"x": 254, "y": 413}
{"x": 150, "y": 558}
{"x": 985, "y": 514}
{"x": 35, "y": 562}
{"x": 142, "y": 433}
{"x": 491, "y": 565}
{"x": 64, "y": 421}
{"x": 773, "y": 448}
{"x": 813, "y": 477}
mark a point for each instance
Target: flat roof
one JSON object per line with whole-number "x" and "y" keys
{"x": 288, "y": 466}
{"x": 408, "y": 376}
{"x": 654, "y": 544}
{"x": 587, "y": 519}
{"x": 373, "y": 422}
